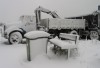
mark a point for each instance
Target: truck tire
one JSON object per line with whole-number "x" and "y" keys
{"x": 15, "y": 38}
{"x": 94, "y": 35}
{"x": 74, "y": 32}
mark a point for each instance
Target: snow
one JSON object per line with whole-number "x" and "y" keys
{"x": 14, "y": 56}
{"x": 36, "y": 34}
{"x": 63, "y": 44}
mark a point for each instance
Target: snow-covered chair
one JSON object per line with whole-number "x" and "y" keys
{"x": 66, "y": 44}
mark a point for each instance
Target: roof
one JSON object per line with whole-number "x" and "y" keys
{"x": 94, "y": 13}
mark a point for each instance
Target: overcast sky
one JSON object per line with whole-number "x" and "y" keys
{"x": 11, "y": 10}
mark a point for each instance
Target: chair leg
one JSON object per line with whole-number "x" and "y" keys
{"x": 55, "y": 49}
{"x": 77, "y": 51}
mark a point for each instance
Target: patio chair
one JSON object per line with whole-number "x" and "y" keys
{"x": 70, "y": 41}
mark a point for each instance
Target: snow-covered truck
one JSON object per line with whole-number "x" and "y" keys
{"x": 14, "y": 32}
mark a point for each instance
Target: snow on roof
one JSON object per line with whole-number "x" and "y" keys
{"x": 79, "y": 15}
{"x": 36, "y": 34}
{"x": 95, "y": 12}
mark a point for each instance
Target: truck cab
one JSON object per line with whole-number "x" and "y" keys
{"x": 15, "y": 32}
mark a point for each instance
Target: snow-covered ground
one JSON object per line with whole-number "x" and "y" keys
{"x": 14, "y": 56}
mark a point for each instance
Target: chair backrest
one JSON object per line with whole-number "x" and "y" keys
{"x": 71, "y": 37}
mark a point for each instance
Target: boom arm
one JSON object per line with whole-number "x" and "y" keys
{"x": 38, "y": 14}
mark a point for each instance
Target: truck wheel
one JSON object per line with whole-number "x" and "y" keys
{"x": 15, "y": 38}
{"x": 94, "y": 35}
{"x": 74, "y": 32}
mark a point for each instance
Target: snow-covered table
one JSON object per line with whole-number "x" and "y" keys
{"x": 36, "y": 43}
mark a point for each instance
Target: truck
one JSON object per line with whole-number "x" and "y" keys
{"x": 54, "y": 26}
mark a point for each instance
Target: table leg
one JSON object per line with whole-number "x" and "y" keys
{"x": 68, "y": 53}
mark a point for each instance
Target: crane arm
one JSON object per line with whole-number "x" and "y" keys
{"x": 41, "y": 9}
{"x": 38, "y": 14}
